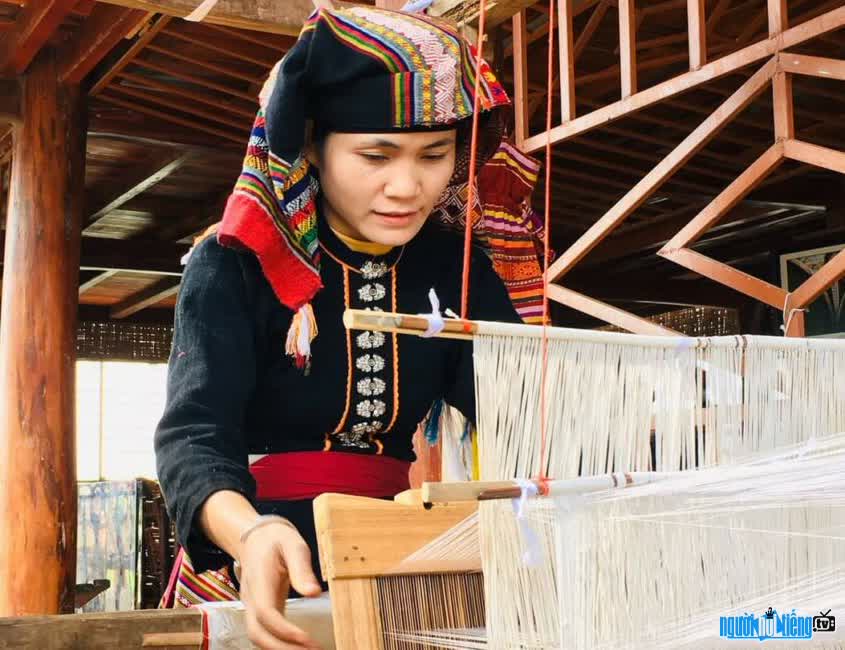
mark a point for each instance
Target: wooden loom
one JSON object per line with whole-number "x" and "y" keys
{"x": 363, "y": 544}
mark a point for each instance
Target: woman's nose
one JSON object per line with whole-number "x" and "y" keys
{"x": 403, "y": 181}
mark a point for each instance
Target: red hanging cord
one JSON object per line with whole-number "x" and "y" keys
{"x": 482, "y": 10}
{"x": 542, "y": 479}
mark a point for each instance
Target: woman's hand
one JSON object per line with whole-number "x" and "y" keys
{"x": 272, "y": 559}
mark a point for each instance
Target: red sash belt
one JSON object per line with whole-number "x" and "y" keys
{"x": 300, "y": 475}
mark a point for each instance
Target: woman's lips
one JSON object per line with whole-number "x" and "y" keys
{"x": 397, "y": 218}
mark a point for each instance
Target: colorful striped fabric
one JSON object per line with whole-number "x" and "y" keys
{"x": 188, "y": 588}
{"x": 513, "y": 231}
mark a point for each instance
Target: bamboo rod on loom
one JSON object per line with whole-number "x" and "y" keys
{"x": 491, "y": 490}
{"x": 361, "y": 319}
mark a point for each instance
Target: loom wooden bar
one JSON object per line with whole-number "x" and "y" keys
{"x": 724, "y": 274}
{"x": 627, "y": 47}
{"x": 696, "y": 33}
{"x": 652, "y": 181}
{"x": 355, "y": 319}
{"x": 448, "y": 492}
{"x": 823, "y": 24}
{"x": 813, "y": 154}
{"x": 607, "y": 313}
{"x": 727, "y": 199}
{"x": 100, "y": 631}
{"x": 520, "y": 78}
{"x": 37, "y": 347}
{"x": 355, "y": 614}
{"x": 815, "y": 66}
{"x": 172, "y": 640}
{"x": 777, "y": 14}
{"x": 566, "y": 54}
{"x": 360, "y": 537}
{"x": 782, "y": 105}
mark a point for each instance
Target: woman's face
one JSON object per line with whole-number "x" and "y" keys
{"x": 382, "y": 187}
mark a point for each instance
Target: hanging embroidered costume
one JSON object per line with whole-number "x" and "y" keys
{"x": 268, "y": 394}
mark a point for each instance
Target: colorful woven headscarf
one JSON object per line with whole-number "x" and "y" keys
{"x": 355, "y": 70}
{"x": 372, "y": 70}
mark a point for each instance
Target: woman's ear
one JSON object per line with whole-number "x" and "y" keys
{"x": 312, "y": 155}
{"x": 310, "y": 150}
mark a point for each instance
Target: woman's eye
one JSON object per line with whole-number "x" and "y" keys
{"x": 373, "y": 157}
{"x": 434, "y": 156}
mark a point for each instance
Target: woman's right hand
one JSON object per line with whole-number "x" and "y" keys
{"x": 272, "y": 559}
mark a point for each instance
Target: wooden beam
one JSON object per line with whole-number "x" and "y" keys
{"x": 729, "y": 276}
{"x": 520, "y": 78}
{"x": 132, "y": 256}
{"x": 35, "y": 24}
{"x": 100, "y": 631}
{"x": 628, "y": 47}
{"x": 141, "y": 41}
{"x": 828, "y": 22}
{"x": 467, "y": 12}
{"x": 777, "y": 14}
{"x": 37, "y": 355}
{"x": 812, "y": 154}
{"x": 649, "y": 184}
{"x": 832, "y": 271}
{"x": 258, "y": 15}
{"x": 157, "y": 169}
{"x": 10, "y": 101}
{"x": 727, "y": 199}
{"x": 151, "y": 295}
{"x": 148, "y": 256}
{"x": 590, "y": 28}
{"x": 605, "y": 312}
{"x": 696, "y": 33}
{"x": 815, "y": 66}
{"x": 782, "y": 104}
{"x": 98, "y": 278}
{"x": 566, "y": 54}
{"x": 98, "y": 35}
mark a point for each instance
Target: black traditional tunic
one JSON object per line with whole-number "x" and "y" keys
{"x": 233, "y": 392}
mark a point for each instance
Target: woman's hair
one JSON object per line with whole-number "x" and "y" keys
{"x": 320, "y": 133}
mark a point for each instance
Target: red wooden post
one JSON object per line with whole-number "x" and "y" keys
{"x": 37, "y": 348}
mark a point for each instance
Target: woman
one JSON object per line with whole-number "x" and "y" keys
{"x": 250, "y": 434}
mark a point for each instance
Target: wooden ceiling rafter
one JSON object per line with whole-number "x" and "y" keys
{"x": 151, "y": 295}
{"x": 154, "y": 171}
{"x": 106, "y": 26}
{"x": 36, "y": 22}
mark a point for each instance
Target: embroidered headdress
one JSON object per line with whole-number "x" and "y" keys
{"x": 353, "y": 70}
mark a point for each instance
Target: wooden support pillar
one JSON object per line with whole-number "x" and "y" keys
{"x": 37, "y": 347}
{"x": 628, "y": 47}
{"x": 520, "y": 78}
{"x": 566, "y": 52}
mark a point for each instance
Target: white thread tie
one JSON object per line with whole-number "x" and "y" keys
{"x": 435, "y": 318}
{"x": 531, "y": 556}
